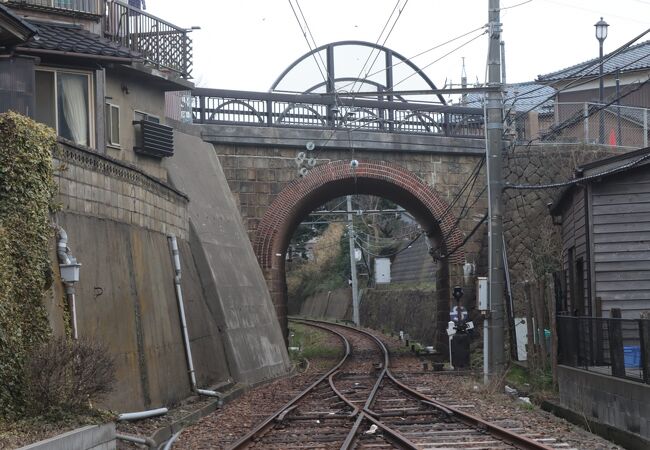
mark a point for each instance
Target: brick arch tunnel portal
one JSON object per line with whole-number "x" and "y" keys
{"x": 336, "y": 179}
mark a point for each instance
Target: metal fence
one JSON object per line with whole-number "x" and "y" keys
{"x": 609, "y": 346}
{"x": 161, "y": 44}
{"x": 80, "y": 6}
{"x": 589, "y": 123}
{"x": 220, "y": 106}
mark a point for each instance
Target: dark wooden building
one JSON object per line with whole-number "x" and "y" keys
{"x": 605, "y": 224}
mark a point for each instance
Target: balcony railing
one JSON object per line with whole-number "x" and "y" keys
{"x": 90, "y": 7}
{"x": 162, "y": 45}
{"x": 589, "y": 123}
{"x": 218, "y": 106}
{"x": 608, "y": 346}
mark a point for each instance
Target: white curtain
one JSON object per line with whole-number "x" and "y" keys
{"x": 73, "y": 95}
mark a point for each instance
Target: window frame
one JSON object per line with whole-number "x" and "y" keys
{"x": 91, "y": 99}
{"x": 109, "y": 125}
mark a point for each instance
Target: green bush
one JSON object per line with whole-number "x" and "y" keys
{"x": 27, "y": 193}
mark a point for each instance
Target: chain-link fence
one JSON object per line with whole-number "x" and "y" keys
{"x": 589, "y": 123}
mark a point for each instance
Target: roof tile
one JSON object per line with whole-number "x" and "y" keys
{"x": 74, "y": 39}
{"x": 636, "y": 57}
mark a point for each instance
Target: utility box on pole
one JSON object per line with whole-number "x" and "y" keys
{"x": 382, "y": 270}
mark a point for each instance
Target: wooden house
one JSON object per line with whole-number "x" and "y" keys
{"x": 605, "y": 222}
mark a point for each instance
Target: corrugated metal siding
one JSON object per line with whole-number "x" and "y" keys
{"x": 621, "y": 241}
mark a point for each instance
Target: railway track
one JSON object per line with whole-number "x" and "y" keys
{"x": 360, "y": 404}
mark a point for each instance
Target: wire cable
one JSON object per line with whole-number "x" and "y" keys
{"x": 573, "y": 84}
{"x": 410, "y": 59}
{"x": 376, "y": 42}
{"x": 383, "y": 44}
{"x": 578, "y": 180}
{"x": 304, "y": 34}
{"x": 438, "y": 59}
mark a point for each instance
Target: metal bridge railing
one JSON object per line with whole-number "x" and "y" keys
{"x": 609, "y": 346}
{"x": 218, "y": 106}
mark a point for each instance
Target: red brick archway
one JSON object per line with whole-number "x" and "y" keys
{"x": 336, "y": 179}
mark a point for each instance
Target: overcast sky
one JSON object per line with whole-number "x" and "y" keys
{"x": 246, "y": 44}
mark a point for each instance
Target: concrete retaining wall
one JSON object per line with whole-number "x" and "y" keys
{"x": 335, "y": 304}
{"x": 92, "y": 437}
{"x": 117, "y": 219}
{"x": 410, "y": 310}
{"x": 621, "y": 403}
{"x": 231, "y": 277}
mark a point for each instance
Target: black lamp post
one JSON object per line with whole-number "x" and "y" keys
{"x": 601, "y": 35}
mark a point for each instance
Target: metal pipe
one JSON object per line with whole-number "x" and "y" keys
{"x": 176, "y": 259}
{"x": 62, "y": 246}
{"x": 137, "y": 440}
{"x": 170, "y": 442}
{"x": 142, "y": 414}
{"x": 69, "y": 291}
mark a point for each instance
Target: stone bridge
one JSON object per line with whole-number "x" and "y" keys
{"x": 287, "y": 152}
{"x": 422, "y": 173}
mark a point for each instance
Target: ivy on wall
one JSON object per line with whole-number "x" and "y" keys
{"x": 27, "y": 192}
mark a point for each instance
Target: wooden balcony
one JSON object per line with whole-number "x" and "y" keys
{"x": 91, "y": 8}
{"x": 162, "y": 45}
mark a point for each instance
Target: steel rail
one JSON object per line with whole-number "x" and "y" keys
{"x": 365, "y": 414}
{"x": 266, "y": 424}
{"x": 501, "y": 433}
{"x": 470, "y": 420}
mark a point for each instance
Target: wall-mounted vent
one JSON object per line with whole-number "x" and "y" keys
{"x": 155, "y": 139}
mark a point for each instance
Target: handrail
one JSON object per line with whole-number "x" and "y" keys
{"x": 270, "y": 109}
{"x": 87, "y": 7}
{"x": 161, "y": 44}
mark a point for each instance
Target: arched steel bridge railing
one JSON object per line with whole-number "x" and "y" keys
{"x": 228, "y": 107}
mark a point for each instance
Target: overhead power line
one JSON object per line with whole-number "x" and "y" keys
{"x": 304, "y": 34}
{"x": 376, "y": 42}
{"x": 578, "y": 180}
{"x": 411, "y": 58}
{"x": 573, "y": 84}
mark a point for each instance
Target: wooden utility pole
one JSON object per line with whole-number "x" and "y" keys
{"x": 494, "y": 131}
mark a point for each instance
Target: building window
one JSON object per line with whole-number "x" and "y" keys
{"x": 63, "y": 101}
{"x": 112, "y": 116}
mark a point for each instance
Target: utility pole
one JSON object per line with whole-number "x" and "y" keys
{"x": 494, "y": 126}
{"x": 353, "y": 265}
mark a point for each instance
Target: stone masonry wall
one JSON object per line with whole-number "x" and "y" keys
{"x": 532, "y": 241}
{"x": 100, "y": 186}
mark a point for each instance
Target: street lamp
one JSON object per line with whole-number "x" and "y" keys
{"x": 601, "y": 35}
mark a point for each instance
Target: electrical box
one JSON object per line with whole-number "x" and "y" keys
{"x": 482, "y": 293}
{"x": 382, "y": 270}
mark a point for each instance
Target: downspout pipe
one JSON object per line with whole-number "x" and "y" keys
{"x": 176, "y": 259}
{"x": 125, "y": 417}
{"x": 137, "y": 440}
